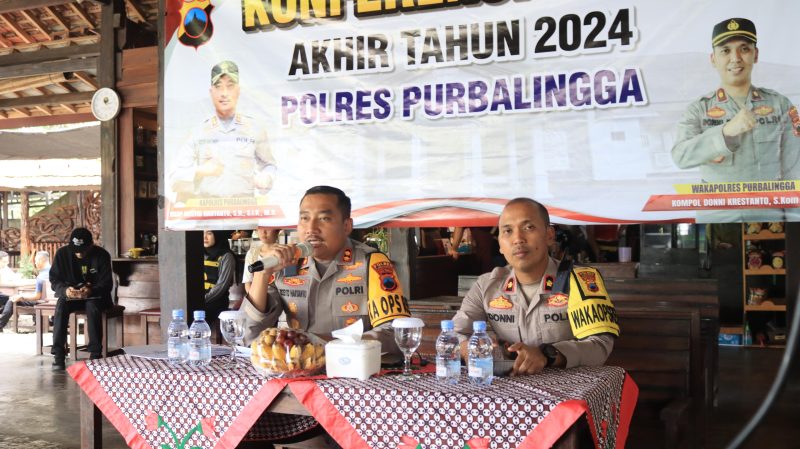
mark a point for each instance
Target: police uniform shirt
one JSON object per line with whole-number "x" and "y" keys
{"x": 497, "y": 298}
{"x": 768, "y": 152}
{"x": 241, "y": 147}
{"x": 360, "y": 283}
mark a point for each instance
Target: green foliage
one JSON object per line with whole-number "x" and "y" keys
{"x": 26, "y": 268}
{"x": 379, "y": 239}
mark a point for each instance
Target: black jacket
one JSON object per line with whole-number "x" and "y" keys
{"x": 66, "y": 271}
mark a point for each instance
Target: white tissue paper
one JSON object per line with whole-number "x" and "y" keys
{"x": 350, "y": 356}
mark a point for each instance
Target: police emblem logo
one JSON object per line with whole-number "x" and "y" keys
{"x": 349, "y": 279}
{"x": 716, "y": 112}
{"x": 196, "y": 27}
{"x": 733, "y": 25}
{"x": 293, "y": 281}
{"x": 351, "y": 320}
{"x": 347, "y": 256}
{"x": 548, "y": 283}
{"x": 349, "y": 307}
{"x": 501, "y": 302}
{"x": 557, "y": 300}
{"x": 353, "y": 266}
{"x": 589, "y": 279}
{"x": 510, "y": 285}
{"x": 293, "y": 307}
{"x": 387, "y": 277}
{"x": 763, "y": 110}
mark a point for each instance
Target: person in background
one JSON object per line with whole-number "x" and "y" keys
{"x": 6, "y": 273}
{"x": 267, "y": 237}
{"x": 485, "y": 247}
{"x": 219, "y": 270}
{"x": 42, "y": 263}
{"x": 81, "y": 279}
{"x": 548, "y": 313}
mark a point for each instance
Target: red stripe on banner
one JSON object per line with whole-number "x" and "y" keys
{"x": 250, "y": 413}
{"x": 335, "y": 424}
{"x": 547, "y": 432}
{"x": 630, "y": 393}
{"x": 86, "y": 380}
{"x": 716, "y": 201}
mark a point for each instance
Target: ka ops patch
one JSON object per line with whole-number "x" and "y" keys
{"x": 385, "y": 300}
{"x": 590, "y": 309}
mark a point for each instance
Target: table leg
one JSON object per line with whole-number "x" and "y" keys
{"x": 91, "y": 424}
{"x": 39, "y": 331}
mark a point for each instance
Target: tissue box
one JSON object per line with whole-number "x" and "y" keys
{"x": 359, "y": 359}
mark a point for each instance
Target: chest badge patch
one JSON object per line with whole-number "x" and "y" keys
{"x": 501, "y": 302}
{"x": 763, "y": 110}
{"x": 716, "y": 112}
{"x": 349, "y": 279}
{"x": 347, "y": 256}
{"x": 590, "y": 279}
{"x": 350, "y": 307}
{"x": 293, "y": 307}
{"x": 293, "y": 281}
{"x": 557, "y": 300}
{"x": 351, "y": 320}
{"x": 548, "y": 283}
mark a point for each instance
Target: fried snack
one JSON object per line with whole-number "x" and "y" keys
{"x": 287, "y": 352}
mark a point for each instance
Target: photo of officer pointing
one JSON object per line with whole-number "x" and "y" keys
{"x": 228, "y": 155}
{"x": 739, "y": 132}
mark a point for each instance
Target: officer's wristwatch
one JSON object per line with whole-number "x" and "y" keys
{"x": 550, "y": 353}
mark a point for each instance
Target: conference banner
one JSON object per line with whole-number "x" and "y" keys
{"x": 436, "y": 112}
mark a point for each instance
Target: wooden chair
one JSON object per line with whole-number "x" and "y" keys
{"x": 115, "y": 312}
{"x": 146, "y": 317}
{"x": 43, "y": 312}
{"x": 47, "y": 294}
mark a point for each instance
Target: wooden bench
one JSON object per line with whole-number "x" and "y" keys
{"x": 146, "y": 317}
{"x": 663, "y": 353}
{"x": 46, "y": 310}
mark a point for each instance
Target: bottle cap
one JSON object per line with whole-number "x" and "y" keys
{"x": 479, "y": 326}
{"x": 178, "y": 313}
{"x": 447, "y": 325}
{"x": 199, "y": 315}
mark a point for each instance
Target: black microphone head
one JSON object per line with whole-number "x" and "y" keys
{"x": 255, "y": 267}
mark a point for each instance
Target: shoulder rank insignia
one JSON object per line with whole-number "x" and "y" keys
{"x": 347, "y": 256}
{"x": 548, "y": 283}
{"x": 756, "y": 95}
{"x": 721, "y": 95}
{"x": 716, "y": 112}
{"x": 510, "y": 285}
{"x": 501, "y": 302}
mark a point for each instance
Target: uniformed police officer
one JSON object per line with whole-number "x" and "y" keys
{"x": 228, "y": 155}
{"x": 343, "y": 280}
{"x": 739, "y": 132}
{"x": 554, "y": 315}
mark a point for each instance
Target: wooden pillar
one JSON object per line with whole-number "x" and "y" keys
{"x": 180, "y": 254}
{"x": 403, "y": 252}
{"x": 112, "y": 18}
{"x": 4, "y": 198}
{"x": 24, "y": 227}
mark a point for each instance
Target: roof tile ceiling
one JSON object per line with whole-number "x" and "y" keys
{"x": 60, "y": 26}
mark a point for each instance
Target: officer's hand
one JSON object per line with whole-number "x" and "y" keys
{"x": 530, "y": 359}
{"x": 286, "y": 255}
{"x": 211, "y": 167}
{"x": 263, "y": 182}
{"x": 742, "y": 122}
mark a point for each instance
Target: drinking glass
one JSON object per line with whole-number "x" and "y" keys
{"x": 408, "y": 336}
{"x": 231, "y": 324}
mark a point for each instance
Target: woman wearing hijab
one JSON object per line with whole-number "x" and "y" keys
{"x": 219, "y": 271}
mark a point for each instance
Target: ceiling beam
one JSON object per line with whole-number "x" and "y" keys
{"x": 82, "y": 14}
{"x": 5, "y": 42}
{"x": 88, "y": 79}
{"x": 46, "y": 100}
{"x": 69, "y": 108}
{"x": 14, "y": 25}
{"x": 139, "y": 14}
{"x": 31, "y": 57}
{"x": 38, "y": 24}
{"x": 16, "y": 5}
{"x": 58, "y": 17}
{"x": 60, "y": 119}
{"x": 41, "y": 68}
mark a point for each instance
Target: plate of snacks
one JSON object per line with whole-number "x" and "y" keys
{"x": 287, "y": 353}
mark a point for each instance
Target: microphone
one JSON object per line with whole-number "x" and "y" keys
{"x": 302, "y": 249}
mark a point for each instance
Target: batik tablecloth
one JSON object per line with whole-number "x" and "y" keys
{"x": 155, "y": 405}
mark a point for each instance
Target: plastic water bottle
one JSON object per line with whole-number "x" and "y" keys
{"x": 448, "y": 358}
{"x": 177, "y": 338}
{"x": 199, "y": 340}
{"x": 480, "y": 363}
